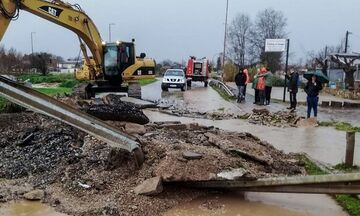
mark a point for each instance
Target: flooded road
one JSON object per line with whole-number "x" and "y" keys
{"x": 259, "y": 204}
{"x": 27, "y": 208}
{"x": 197, "y": 99}
{"x": 326, "y": 144}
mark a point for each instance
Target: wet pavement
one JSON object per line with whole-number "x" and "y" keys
{"x": 259, "y": 204}
{"x": 197, "y": 99}
{"x": 27, "y": 208}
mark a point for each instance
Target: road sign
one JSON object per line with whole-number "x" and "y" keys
{"x": 275, "y": 45}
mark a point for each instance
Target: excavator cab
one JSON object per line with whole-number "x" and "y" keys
{"x": 117, "y": 58}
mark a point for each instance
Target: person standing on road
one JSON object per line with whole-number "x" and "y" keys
{"x": 261, "y": 87}
{"x": 293, "y": 88}
{"x": 240, "y": 80}
{"x": 312, "y": 89}
{"x": 268, "y": 86}
{"x": 246, "y": 72}
{"x": 254, "y": 84}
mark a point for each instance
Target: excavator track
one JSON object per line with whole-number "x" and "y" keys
{"x": 46, "y": 105}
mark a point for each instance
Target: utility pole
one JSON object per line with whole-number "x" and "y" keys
{"x": 111, "y": 24}
{"x": 347, "y": 41}
{"x": 225, "y": 36}
{"x": 32, "y": 42}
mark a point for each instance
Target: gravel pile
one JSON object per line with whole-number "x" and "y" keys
{"x": 276, "y": 119}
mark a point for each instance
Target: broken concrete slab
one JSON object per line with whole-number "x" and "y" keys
{"x": 310, "y": 122}
{"x": 247, "y": 155}
{"x": 141, "y": 104}
{"x": 189, "y": 155}
{"x": 174, "y": 126}
{"x": 35, "y": 195}
{"x": 233, "y": 174}
{"x": 132, "y": 128}
{"x": 150, "y": 187}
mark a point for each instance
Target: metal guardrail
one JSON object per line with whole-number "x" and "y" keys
{"x": 321, "y": 184}
{"x": 222, "y": 86}
{"x": 46, "y": 105}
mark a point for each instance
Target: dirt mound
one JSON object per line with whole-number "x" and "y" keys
{"x": 33, "y": 144}
{"x": 83, "y": 176}
{"x": 276, "y": 119}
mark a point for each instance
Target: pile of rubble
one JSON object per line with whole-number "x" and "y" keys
{"x": 277, "y": 119}
{"x": 80, "y": 175}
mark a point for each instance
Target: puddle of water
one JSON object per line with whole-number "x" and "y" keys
{"x": 259, "y": 204}
{"x": 27, "y": 208}
{"x": 255, "y": 204}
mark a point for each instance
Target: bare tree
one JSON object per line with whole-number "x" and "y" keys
{"x": 346, "y": 62}
{"x": 269, "y": 24}
{"x": 239, "y": 31}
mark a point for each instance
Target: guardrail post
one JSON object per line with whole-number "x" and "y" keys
{"x": 350, "y": 148}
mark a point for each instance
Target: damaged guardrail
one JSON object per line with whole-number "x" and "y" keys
{"x": 222, "y": 86}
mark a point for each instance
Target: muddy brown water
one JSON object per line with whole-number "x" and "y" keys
{"x": 27, "y": 208}
{"x": 258, "y": 204}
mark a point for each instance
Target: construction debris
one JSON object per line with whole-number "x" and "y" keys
{"x": 277, "y": 119}
{"x": 150, "y": 187}
{"x": 58, "y": 158}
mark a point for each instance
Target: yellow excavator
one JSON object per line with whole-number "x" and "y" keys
{"x": 113, "y": 67}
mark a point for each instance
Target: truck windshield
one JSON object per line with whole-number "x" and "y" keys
{"x": 174, "y": 73}
{"x": 111, "y": 61}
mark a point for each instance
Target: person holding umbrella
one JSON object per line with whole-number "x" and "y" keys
{"x": 312, "y": 89}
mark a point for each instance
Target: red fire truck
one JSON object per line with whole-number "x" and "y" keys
{"x": 197, "y": 71}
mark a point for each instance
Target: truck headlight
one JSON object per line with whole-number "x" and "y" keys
{"x": 164, "y": 79}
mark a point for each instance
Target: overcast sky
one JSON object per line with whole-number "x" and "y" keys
{"x": 176, "y": 29}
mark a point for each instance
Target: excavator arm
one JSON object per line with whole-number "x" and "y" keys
{"x": 69, "y": 16}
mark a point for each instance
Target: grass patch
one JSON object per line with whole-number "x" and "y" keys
{"x": 147, "y": 81}
{"x": 350, "y": 203}
{"x": 342, "y": 126}
{"x": 50, "y": 78}
{"x": 9, "y": 107}
{"x": 69, "y": 84}
{"x": 55, "y": 91}
{"x": 223, "y": 94}
{"x": 311, "y": 168}
{"x": 345, "y": 168}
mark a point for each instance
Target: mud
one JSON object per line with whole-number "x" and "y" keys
{"x": 259, "y": 204}
{"x": 27, "y": 208}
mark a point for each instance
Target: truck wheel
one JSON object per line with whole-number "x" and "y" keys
{"x": 164, "y": 89}
{"x": 134, "y": 90}
{"x": 206, "y": 84}
{"x": 183, "y": 88}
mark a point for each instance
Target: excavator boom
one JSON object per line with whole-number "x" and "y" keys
{"x": 71, "y": 17}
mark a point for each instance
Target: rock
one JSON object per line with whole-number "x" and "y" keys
{"x": 141, "y": 104}
{"x": 132, "y": 128}
{"x": 150, "y": 187}
{"x": 247, "y": 155}
{"x": 261, "y": 111}
{"x": 174, "y": 126}
{"x": 35, "y": 195}
{"x": 233, "y": 174}
{"x": 192, "y": 155}
{"x": 310, "y": 122}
